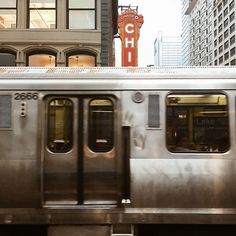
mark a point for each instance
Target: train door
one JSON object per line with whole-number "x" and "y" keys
{"x": 80, "y": 161}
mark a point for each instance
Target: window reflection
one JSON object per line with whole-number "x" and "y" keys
{"x": 197, "y": 123}
{"x": 42, "y": 14}
{"x": 7, "y": 14}
{"x": 82, "y": 14}
{"x": 60, "y": 125}
{"x": 42, "y": 4}
{"x": 80, "y": 60}
{"x": 82, "y": 19}
{"x": 100, "y": 125}
{"x": 42, "y": 60}
{"x": 81, "y": 3}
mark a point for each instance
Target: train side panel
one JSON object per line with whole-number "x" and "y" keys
{"x": 161, "y": 178}
{"x": 19, "y": 160}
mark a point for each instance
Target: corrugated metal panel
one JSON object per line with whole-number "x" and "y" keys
{"x": 153, "y": 111}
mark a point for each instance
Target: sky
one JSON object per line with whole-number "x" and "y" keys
{"x": 159, "y": 15}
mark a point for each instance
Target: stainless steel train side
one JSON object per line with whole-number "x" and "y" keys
{"x": 106, "y": 151}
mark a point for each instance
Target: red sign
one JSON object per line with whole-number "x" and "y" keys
{"x": 129, "y": 23}
{"x": 1, "y": 23}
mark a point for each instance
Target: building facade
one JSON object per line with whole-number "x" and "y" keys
{"x": 185, "y": 35}
{"x": 224, "y": 32}
{"x": 167, "y": 51}
{"x": 201, "y": 41}
{"x": 57, "y": 32}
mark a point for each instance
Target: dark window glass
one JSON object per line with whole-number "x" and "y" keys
{"x": 226, "y": 11}
{"x": 215, "y": 33}
{"x": 232, "y": 17}
{"x": 215, "y": 23}
{"x": 215, "y": 53}
{"x": 197, "y": 123}
{"x": 232, "y": 63}
{"x": 219, "y": 7}
{"x": 226, "y": 56}
{"x": 221, "y": 60}
{"x": 231, "y": 5}
{"x": 226, "y": 22}
{"x": 226, "y": 44}
{"x": 220, "y": 18}
{"x": 215, "y": 43}
{"x": 232, "y": 40}
{"x": 101, "y": 125}
{"x": 7, "y": 14}
{"x": 232, "y": 51}
{"x": 232, "y": 28}
{"x": 42, "y": 14}
{"x": 221, "y": 49}
{"x": 226, "y": 33}
{"x": 81, "y": 14}
{"x": 60, "y": 125}
{"x": 220, "y": 28}
{"x": 221, "y": 38}
{"x": 7, "y": 59}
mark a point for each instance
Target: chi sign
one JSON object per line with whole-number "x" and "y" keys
{"x": 129, "y": 23}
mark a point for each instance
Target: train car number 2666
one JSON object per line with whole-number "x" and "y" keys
{"x": 26, "y": 96}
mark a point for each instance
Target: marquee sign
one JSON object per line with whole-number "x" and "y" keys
{"x": 129, "y": 23}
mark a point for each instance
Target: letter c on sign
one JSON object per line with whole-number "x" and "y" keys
{"x": 129, "y": 28}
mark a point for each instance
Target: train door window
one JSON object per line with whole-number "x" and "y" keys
{"x": 60, "y": 125}
{"x": 100, "y": 126}
{"x": 197, "y": 123}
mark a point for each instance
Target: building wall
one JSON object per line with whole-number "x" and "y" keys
{"x": 107, "y": 50}
{"x": 224, "y": 32}
{"x": 167, "y": 51}
{"x": 200, "y": 13}
{"x": 62, "y": 41}
{"x": 185, "y": 37}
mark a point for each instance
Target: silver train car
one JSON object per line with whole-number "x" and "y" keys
{"x": 126, "y": 151}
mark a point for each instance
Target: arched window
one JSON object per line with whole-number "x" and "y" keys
{"x": 7, "y": 58}
{"x": 81, "y": 60}
{"x": 41, "y": 59}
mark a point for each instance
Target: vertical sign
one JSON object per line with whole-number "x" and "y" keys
{"x": 129, "y": 23}
{"x": 1, "y": 23}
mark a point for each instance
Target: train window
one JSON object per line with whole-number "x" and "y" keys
{"x": 60, "y": 125}
{"x": 5, "y": 111}
{"x": 100, "y": 125}
{"x": 197, "y": 123}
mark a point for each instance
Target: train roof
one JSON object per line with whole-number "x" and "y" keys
{"x": 118, "y": 72}
{"x": 114, "y": 78}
